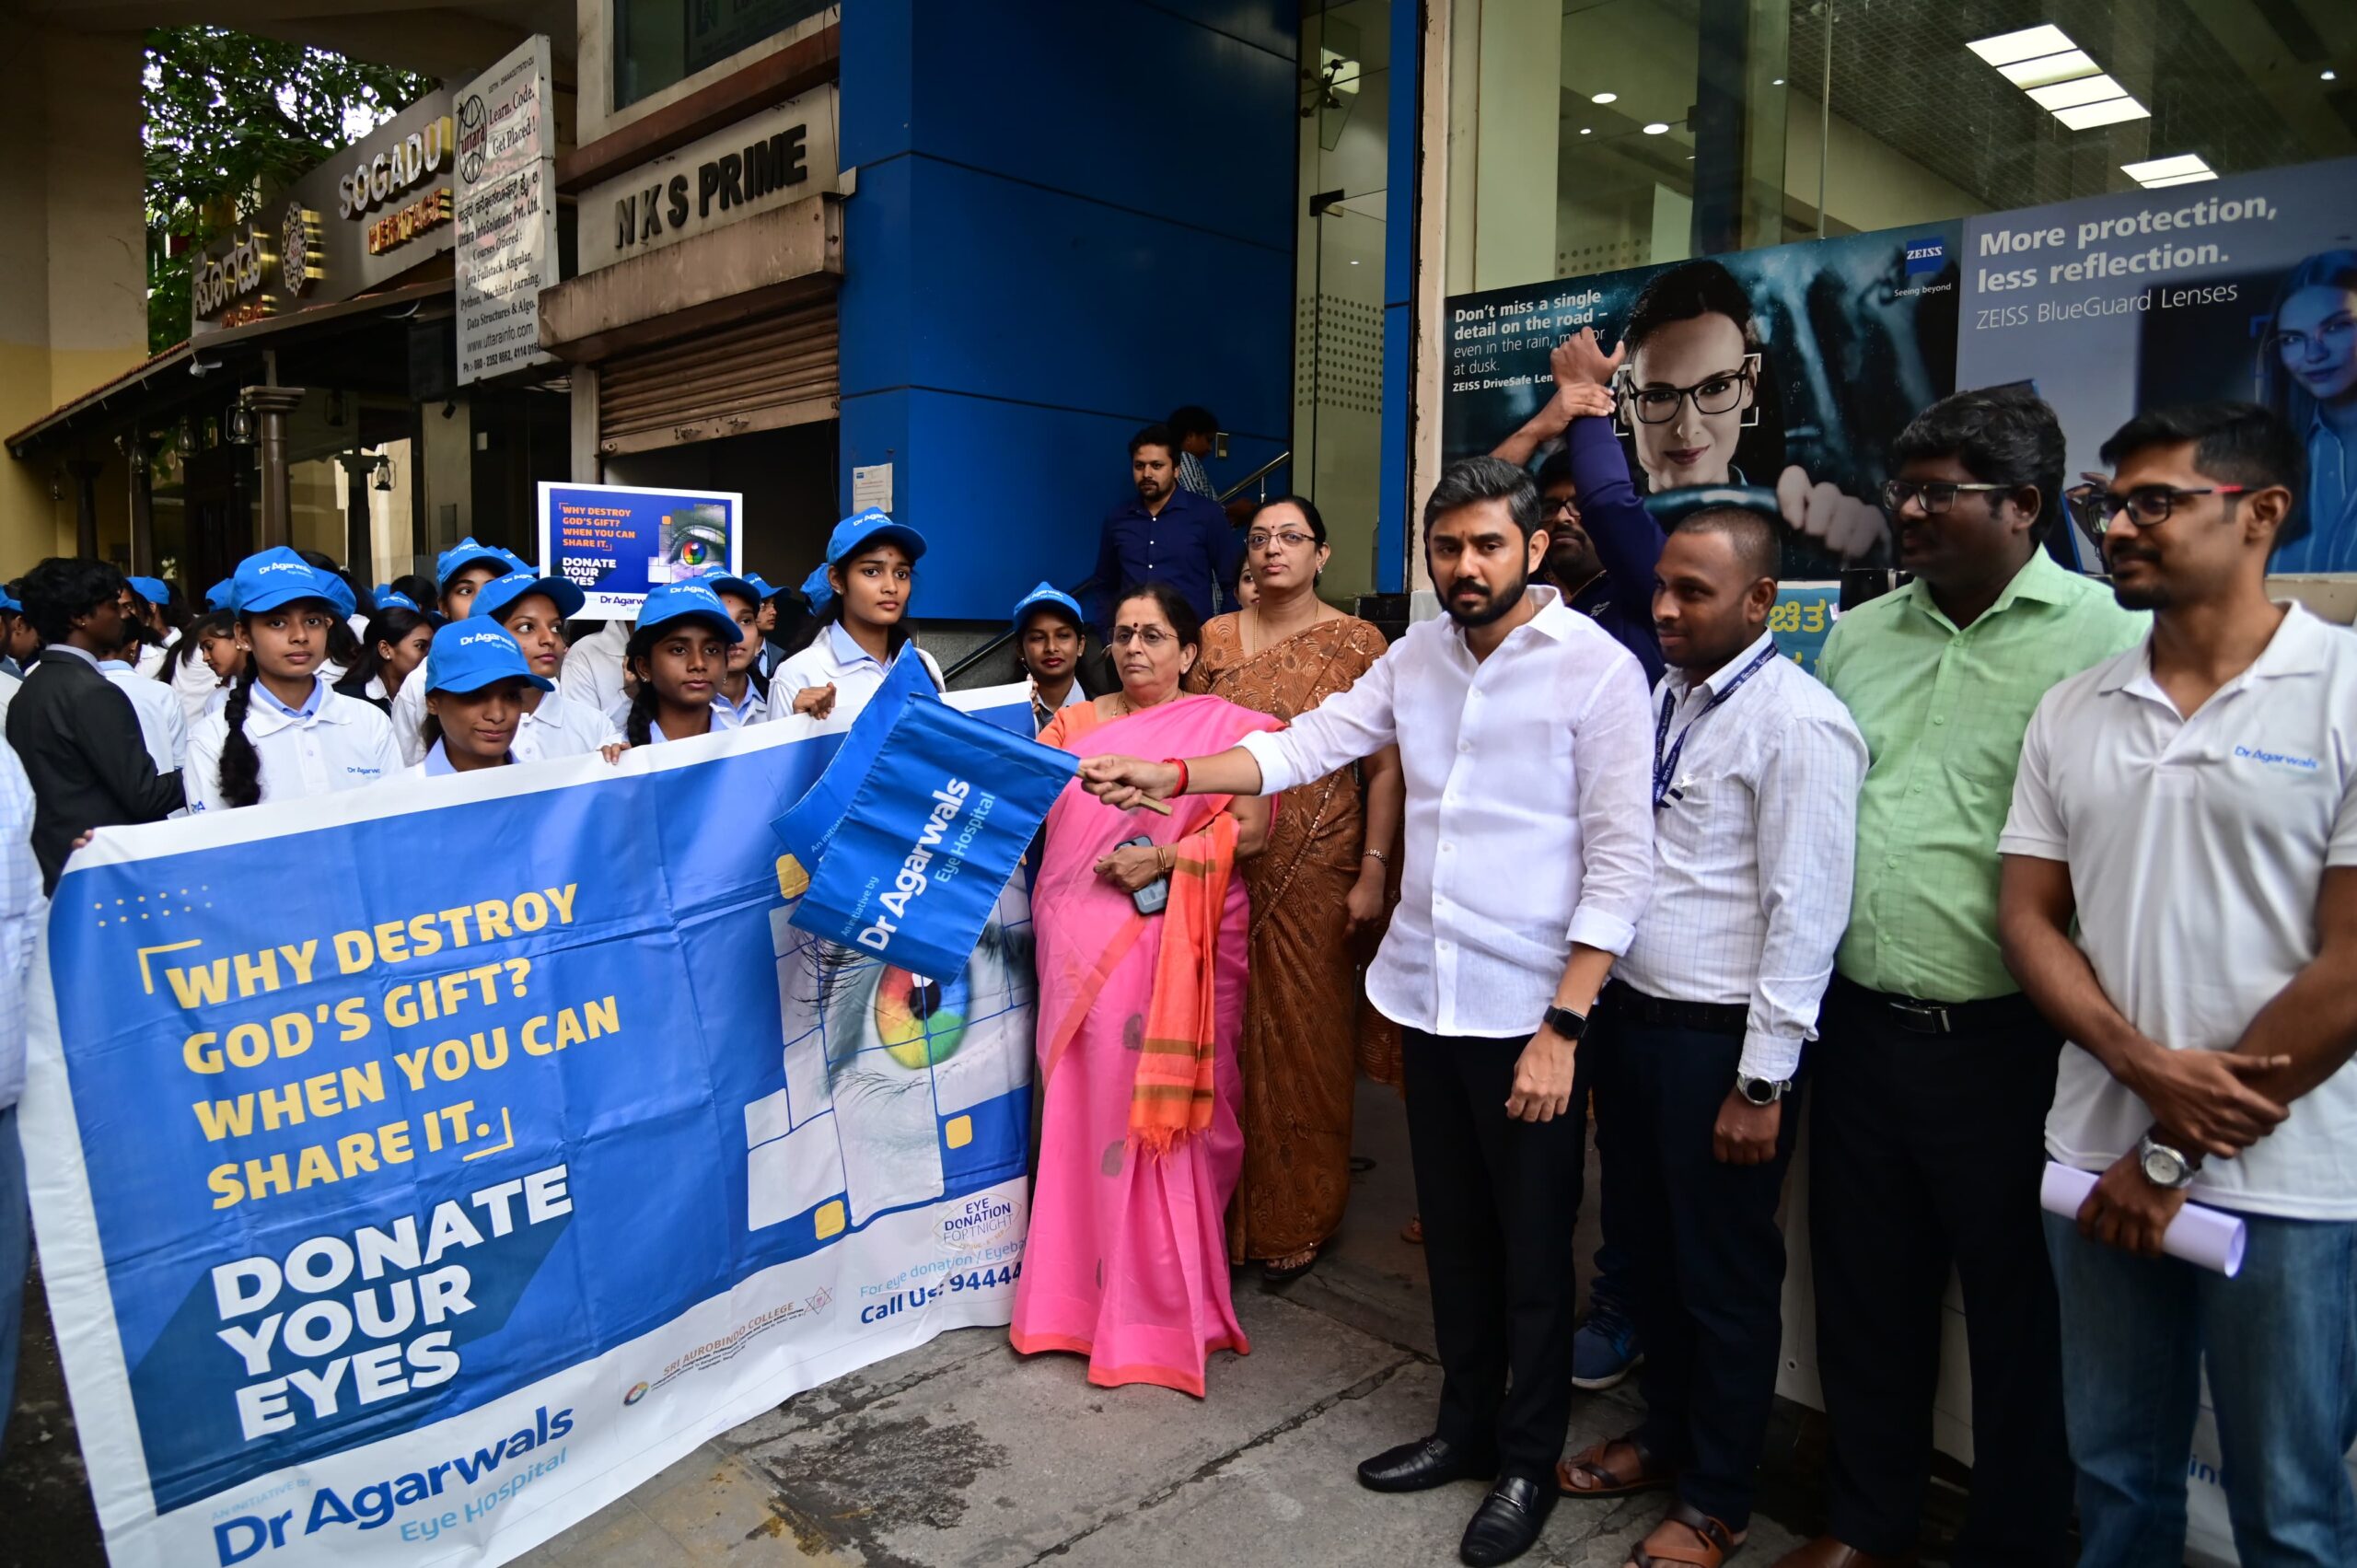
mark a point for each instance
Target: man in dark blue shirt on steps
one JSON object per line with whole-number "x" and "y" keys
{"x": 1166, "y": 535}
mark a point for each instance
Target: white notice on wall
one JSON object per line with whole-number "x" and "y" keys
{"x": 871, "y": 486}
{"x": 506, "y": 218}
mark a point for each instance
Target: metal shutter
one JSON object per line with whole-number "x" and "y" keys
{"x": 764, "y": 374}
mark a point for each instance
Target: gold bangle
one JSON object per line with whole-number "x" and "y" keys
{"x": 1377, "y": 854}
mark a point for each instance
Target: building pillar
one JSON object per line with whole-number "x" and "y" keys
{"x": 271, "y": 405}
{"x": 142, "y": 507}
{"x": 359, "y": 539}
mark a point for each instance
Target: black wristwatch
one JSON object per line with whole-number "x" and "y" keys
{"x": 1565, "y": 1022}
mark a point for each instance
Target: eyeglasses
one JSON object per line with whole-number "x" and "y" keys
{"x": 1562, "y": 506}
{"x": 1291, "y": 538}
{"x": 2147, "y": 506}
{"x": 2333, "y": 330}
{"x": 1936, "y": 495}
{"x": 1148, "y": 637}
{"x": 1722, "y": 393}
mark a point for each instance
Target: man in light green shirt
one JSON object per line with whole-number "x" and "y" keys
{"x": 1934, "y": 1074}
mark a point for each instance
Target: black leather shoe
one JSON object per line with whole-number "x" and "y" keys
{"x": 1422, "y": 1465}
{"x": 1508, "y": 1522}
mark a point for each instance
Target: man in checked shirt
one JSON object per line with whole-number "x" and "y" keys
{"x": 1697, "y": 1042}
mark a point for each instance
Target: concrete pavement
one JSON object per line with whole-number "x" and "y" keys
{"x": 962, "y": 1453}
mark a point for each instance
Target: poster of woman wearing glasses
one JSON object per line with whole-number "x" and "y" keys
{"x": 2201, "y": 287}
{"x": 1776, "y": 378}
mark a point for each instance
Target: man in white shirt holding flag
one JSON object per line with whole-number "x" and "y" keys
{"x": 1522, "y": 730}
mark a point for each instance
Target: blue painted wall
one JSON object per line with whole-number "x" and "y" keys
{"x": 1398, "y": 294}
{"x": 1071, "y": 217}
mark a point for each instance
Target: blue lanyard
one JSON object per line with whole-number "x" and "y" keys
{"x": 1665, "y": 766}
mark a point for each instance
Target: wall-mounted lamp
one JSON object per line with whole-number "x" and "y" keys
{"x": 237, "y": 424}
{"x": 384, "y": 471}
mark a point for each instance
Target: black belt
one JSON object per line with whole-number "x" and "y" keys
{"x": 1988, "y": 1015}
{"x": 1706, "y": 1017}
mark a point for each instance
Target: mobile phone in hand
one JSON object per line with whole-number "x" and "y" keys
{"x": 1150, "y": 898}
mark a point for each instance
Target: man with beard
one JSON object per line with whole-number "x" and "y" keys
{"x": 1523, "y": 731}
{"x": 1932, "y": 1072}
{"x": 1168, "y": 534}
{"x": 2180, "y": 900}
{"x": 78, "y": 736}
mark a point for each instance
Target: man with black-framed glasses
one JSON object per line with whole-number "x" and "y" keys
{"x": 1933, "y": 1072}
{"x": 2180, "y": 898}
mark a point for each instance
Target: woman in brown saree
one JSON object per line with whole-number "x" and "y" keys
{"x": 1322, "y": 879}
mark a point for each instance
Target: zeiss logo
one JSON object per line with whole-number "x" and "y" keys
{"x": 1925, "y": 255}
{"x": 2275, "y": 759}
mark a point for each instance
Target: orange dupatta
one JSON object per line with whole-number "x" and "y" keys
{"x": 1172, "y": 1096}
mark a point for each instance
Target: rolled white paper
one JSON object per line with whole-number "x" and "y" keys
{"x": 2212, "y": 1239}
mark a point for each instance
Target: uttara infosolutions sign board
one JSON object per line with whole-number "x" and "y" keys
{"x": 366, "y": 216}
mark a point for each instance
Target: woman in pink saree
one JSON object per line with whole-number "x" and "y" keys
{"x": 1140, "y": 1148}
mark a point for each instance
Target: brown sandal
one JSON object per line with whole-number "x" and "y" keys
{"x": 1713, "y": 1544}
{"x": 1586, "y": 1474}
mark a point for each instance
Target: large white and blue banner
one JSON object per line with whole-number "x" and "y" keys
{"x": 417, "y": 1170}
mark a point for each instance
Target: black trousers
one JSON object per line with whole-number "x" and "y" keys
{"x": 1499, "y": 1199}
{"x": 1707, "y": 1258}
{"x": 1926, "y": 1151}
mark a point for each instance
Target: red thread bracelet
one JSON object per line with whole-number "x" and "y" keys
{"x": 1180, "y": 763}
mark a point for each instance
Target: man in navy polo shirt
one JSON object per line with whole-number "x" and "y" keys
{"x": 1166, "y": 535}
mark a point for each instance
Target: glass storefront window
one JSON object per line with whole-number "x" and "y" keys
{"x": 1668, "y": 129}
{"x": 658, "y": 42}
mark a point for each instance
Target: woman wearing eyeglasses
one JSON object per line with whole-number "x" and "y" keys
{"x": 1141, "y": 953}
{"x": 1322, "y": 880}
{"x": 2310, "y": 363}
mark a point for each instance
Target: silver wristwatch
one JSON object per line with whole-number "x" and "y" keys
{"x": 1761, "y": 1091}
{"x": 2163, "y": 1167}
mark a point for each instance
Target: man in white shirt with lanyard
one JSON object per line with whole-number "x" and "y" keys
{"x": 2180, "y": 901}
{"x": 1696, "y": 1048}
{"x": 1522, "y": 728}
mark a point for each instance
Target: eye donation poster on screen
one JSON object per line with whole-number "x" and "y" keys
{"x": 617, "y": 543}
{"x": 404, "y": 1206}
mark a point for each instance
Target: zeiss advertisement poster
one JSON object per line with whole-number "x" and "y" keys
{"x": 1800, "y": 366}
{"x": 402, "y": 1209}
{"x": 617, "y": 543}
{"x": 2240, "y": 288}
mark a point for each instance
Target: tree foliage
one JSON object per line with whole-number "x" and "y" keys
{"x": 229, "y": 116}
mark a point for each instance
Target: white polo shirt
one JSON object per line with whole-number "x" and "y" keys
{"x": 2196, "y": 848}
{"x": 161, "y": 724}
{"x": 332, "y": 742}
{"x": 834, "y": 659}
{"x": 562, "y": 728}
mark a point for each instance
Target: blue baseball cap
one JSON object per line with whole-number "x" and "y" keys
{"x": 865, "y": 528}
{"x": 1048, "y": 596}
{"x": 818, "y": 589}
{"x": 683, "y": 600}
{"x": 761, "y": 586}
{"x": 152, "y": 589}
{"x": 9, "y": 603}
{"x": 278, "y": 576}
{"x": 721, "y": 583}
{"x": 469, "y": 655}
{"x": 222, "y": 594}
{"x": 390, "y": 597}
{"x": 468, "y": 553}
{"x": 500, "y": 592}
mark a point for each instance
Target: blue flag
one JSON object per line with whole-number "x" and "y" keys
{"x": 810, "y": 821}
{"x": 915, "y": 865}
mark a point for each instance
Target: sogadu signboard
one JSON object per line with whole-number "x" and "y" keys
{"x": 778, "y": 155}
{"x": 366, "y": 215}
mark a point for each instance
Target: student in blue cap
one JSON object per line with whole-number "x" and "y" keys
{"x": 465, "y": 567}
{"x": 678, "y": 656}
{"x": 286, "y": 732}
{"x": 205, "y": 664}
{"x": 533, "y": 610}
{"x": 477, "y": 684}
{"x": 870, "y": 572}
{"x": 160, "y": 622}
{"x": 1048, "y": 645}
{"x": 745, "y": 688}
